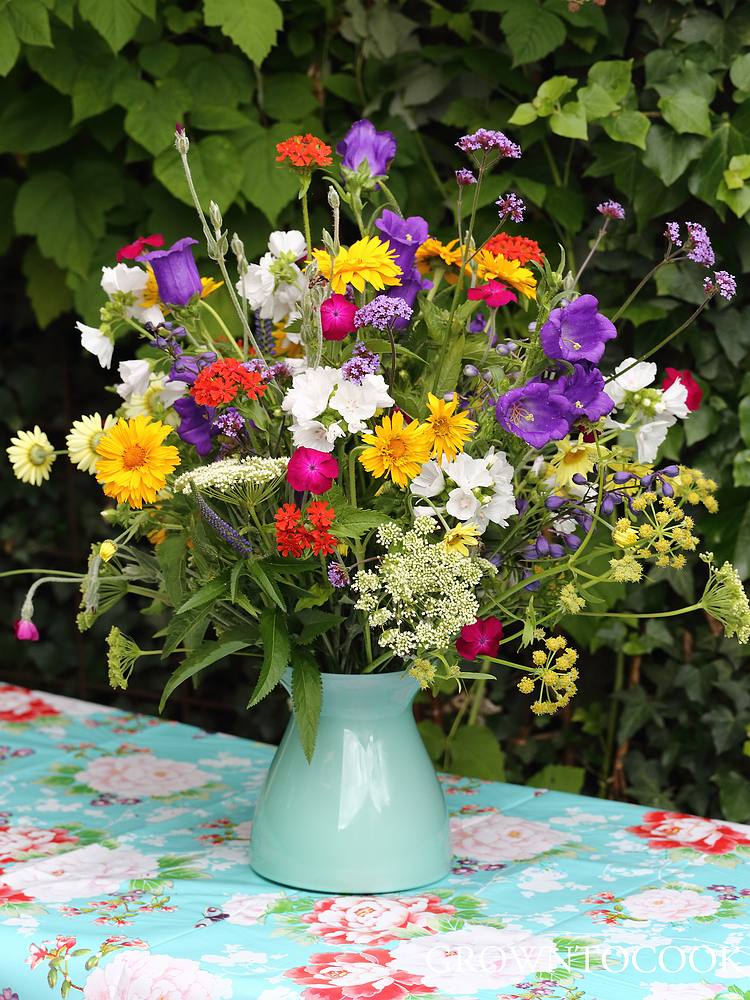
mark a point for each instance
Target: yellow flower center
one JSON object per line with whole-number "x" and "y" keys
{"x": 441, "y": 426}
{"x": 396, "y": 448}
{"x": 133, "y": 457}
{"x": 38, "y": 455}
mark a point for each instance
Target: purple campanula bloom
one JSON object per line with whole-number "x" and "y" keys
{"x": 411, "y": 285}
{"x": 577, "y": 331}
{"x": 584, "y": 388}
{"x": 477, "y": 323}
{"x": 195, "y": 424}
{"x": 404, "y": 235}
{"x": 535, "y": 414}
{"x": 187, "y": 366}
{"x": 364, "y": 142}
{"x": 176, "y": 272}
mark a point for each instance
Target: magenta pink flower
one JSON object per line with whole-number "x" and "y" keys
{"x": 312, "y": 471}
{"x": 493, "y": 293}
{"x": 26, "y": 630}
{"x": 337, "y": 317}
{"x": 482, "y": 638}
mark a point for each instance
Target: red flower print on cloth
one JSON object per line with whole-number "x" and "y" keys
{"x": 18, "y": 704}
{"x": 347, "y": 975}
{"x": 672, "y": 829}
{"x": 9, "y": 895}
{"x": 15, "y": 842}
{"x": 373, "y": 920}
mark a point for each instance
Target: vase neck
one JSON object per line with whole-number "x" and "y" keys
{"x": 363, "y": 695}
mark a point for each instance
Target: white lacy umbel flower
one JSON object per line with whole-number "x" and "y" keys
{"x": 314, "y": 434}
{"x": 235, "y": 480}
{"x": 160, "y": 395}
{"x": 131, "y": 283}
{"x": 273, "y": 287}
{"x": 310, "y": 392}
{"x": 360, "y": 402}
{"x": 96, "y": 343}
{"x": 83, "y": 439}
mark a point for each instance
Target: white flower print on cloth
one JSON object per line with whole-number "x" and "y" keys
{"x": 684, "y": 991}
{"x": 18, "y": 704}
{"x": 15, "y": 842}
{"x": 249, "y": 910}
{"x": 373, "y": 920}
{"x": 494, "y": 837}
{"x": 459, "y": 963}
{"x": 141, "y": 775}
{"x": 80, "y": 874}
{"x": 139, "y": 976}
{"x": 670, "y": 904}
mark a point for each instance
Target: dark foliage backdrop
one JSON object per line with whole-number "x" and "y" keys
{"x": 646, "y": 102}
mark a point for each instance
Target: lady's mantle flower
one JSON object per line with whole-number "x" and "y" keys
{"x": 274, "y": 286}
{"x": 337, "y": 315}
{"x": 134, "y": 462}
{"x": 577, "y": 331}
{"x": 368, "y": 261}
{"x": 382, "y": 313}
{"x": 722, "y": 282}
{"x": 122, "y": 655}
{"x": 397, "y": 449}
{"x": 31, "y": 454}
{"x": 484, "y": 140}
{"x": 481, "y": 638}
{"x": 83, "y": 440}
{"x": 449, "y": 430}
{"x": 535, "y": 414}
{"x": 694, "y": 391}
{"x": 176, "y": 272}
{"x": 510, "y": 205}
{"x": 305, "y": 152}
{"x": 311, "y": 471}
{"x": 725, "y": 599}
{"x": 611, "y": 209}
{"x": 363, "y": 144}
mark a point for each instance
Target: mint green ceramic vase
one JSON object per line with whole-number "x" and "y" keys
{"x": 368, "y": 814}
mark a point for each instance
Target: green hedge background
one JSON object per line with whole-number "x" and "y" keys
{"x": 646, "y": 102}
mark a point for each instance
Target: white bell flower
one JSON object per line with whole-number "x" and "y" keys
{"x": 462, "y": 504}
{"x": 135, "y": 377}
{"x": 429, "y": 483}
{"x": 359, "y": 402}
{"x": 274, "y": 286}
{"x": 96, "y": 343}
{"x": 468, "y": 473}
{"x": 314, "y": 434}
{"x": 132, "y": 281}
{"x": 310, "y": 392}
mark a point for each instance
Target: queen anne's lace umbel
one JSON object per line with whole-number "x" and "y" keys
{"x": 231, "y": 474}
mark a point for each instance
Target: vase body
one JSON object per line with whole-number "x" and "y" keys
{"x": 367, "y": 815}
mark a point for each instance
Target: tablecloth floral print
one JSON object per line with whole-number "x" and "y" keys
{"x": 124, "y": 875}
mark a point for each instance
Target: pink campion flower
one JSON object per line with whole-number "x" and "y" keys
{"x": 494, "y": 293}
{"x": 482, "y": 638}
{"x": 132, "y": 250}
{"x": 337, "y": 317}
{"x": 26, "y": 630}
{"x": 312, "y": 471}
{"x": 694, "y": 391}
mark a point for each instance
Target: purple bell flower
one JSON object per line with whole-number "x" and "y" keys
{"x": 411, "y": 285}
{"x": 577, "y": 331}
{"x": 364, "y": 142}
{"x": 187, "y": 367}
{"x": 584, "y": 388}
{"x": 535, "y": 414}
{"x": 404, "y": 235}
{"x": 176, "y": 272}
{"x": 195, "y": 424}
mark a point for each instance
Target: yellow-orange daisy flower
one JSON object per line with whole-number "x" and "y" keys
{"x": 510, "y": 272}
{"x": 461, "y": 538}
{"x": 134, "y": 463}
{"x": 397, "y": 449}
{"x": 448, "y": 430}
{"x": 209, "y": 286}
{"x": 432, "y": 253}
{"x": 368, "y": 261}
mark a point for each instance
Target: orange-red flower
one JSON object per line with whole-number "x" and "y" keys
{"x": 294, "y": 538}
{"x": 221, "y": 381}
{"x": 320, "y": 514}
{"x": 518, "y": 248}
{"x": 305, "y": 151}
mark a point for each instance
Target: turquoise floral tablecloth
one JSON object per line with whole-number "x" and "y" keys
{"x": 124, "y": 842}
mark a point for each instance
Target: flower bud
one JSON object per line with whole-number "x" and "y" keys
{"x": 333, "y": 198}
{"x": 107, "y": 549}
{"x": 181, "y": 141}
{"x": 471, "y": 371}
{"x": 214, "y": 215}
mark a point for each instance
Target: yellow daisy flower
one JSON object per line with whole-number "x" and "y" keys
{"x": 283, "y": 347}
{"x": 461, "y": 538}
{"x": 150, "y": 293}
{"x": 369, "y": 260}
{"x": 449, "y": 430}
{"x": 209, "y": 286}
{"x": 397, "y": 449}
{"x": 572, "y": 457}
{"x": 510, "y": 272}
{"x": 133, "y": 461}
{"x": 83, "y": 439}
{"x": 432, "y": 253}
{"x": 31, "y": 454}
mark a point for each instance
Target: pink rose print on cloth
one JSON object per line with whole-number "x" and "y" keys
{"x": 15, "y": 842}
{"x": 494, "y": 838}
{"x": 373, "y": 920}
{"x": 18, "y": 704}
{"x": 458, "y": 963}
{"x": 670, "y": 904}
{"x": 249, "y": 910}
{"x": 346, "y": 975}
{"x": 80, "y": 874}
{"x": 671, "y": 829}
{"x": 139, "y": 976}
{"x": 141, "y": 775}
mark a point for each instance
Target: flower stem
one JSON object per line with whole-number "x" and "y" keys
{"x": 306, "y": 221}
{"x": 225, "y": 329}
{"x": 638, "y": 288}
{"x": 592, "y": 251}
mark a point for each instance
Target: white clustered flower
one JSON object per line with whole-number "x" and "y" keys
{"x": 231, "y": 475}
{"x": 426, "y": 591}
{"x": 483, "y": 488}
{"x": 274, "y": 287}
{"x": 653, "y": 411}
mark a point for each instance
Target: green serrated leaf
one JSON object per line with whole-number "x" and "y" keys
{"x": 474, "y": 752}
{"x": 275, "y": 642}
{"x": 206, "y": 654}
{"x": 531, "y": 32}
{"x": 214, "y": 590}
{"x": 251, "y": 24}
{"x": 256, "y": 570}
{"x": 116, "y": 22}
{"x": 307, "y": 699}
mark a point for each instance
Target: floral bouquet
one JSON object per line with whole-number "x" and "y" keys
{"x": 380, "y": 451}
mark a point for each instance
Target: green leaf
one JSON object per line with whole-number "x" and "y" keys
{"x": 559, "y": 778}
{"x": 35, "y": 120}
{"x": 570, "y": 121}
{"x": 185, "y": 627}
{"x": 531, "y": 32}
{"x": 596, "y": 101}
{"x": 686, "y": 112}
{"x": 550, "y": 92}
{"x": 734, "y": 795}
{"x": 744, "y": 415}
{"x": 739, "y": 72}
{"x": 288, "y": 96}
{"x": 741, "y": 468}
{"x": 170, "y": 555}
{"x": 614, "y": 76}
{"x": 8, "y": 189}
{"x": 266, "y": 184}
{"x": 9, "y": 44}
{"x": 214, "y": 590}
{"x": 307, "y": 699}
{"x": 50, "y": 297}
{"x": 216, "y": 166}
{"x": 116, "y": 22}
{"x": 475, "y": 753}
{"x": 315, "y": 623}
{"x": 151, "y": 116}
{"x": 566, "y": 206}
{"x": 628, "y": 126}
{"x": 30, "y": 21}
{"x": 251, "y": 24}
{"x": 668, "y": 155}
{"x": 318, "y": 594}
{"x": 206, "y": 654}
{"x": 257, "y": 572}
{"x": 353, "y": 522}
{"x": 524, "y": 114}
{"x": 433, "y": 738}
{"x": 275, "y": 640}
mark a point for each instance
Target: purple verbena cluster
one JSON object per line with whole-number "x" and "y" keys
{"x": 484, "y": 140}
{"x": 465, "y": 177}
{"x": 722, "y": 282}
{"x": 700, "y": 249}
{"x": 511, "y": 205}
{"x": 337, "y": 575}
{"x": 230, "y": 422}
{"x": 611, "y": 209}
{"x": 672, "y": 233}
{"x": 361, "y": 363}
{"x": 382, "y": 313}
